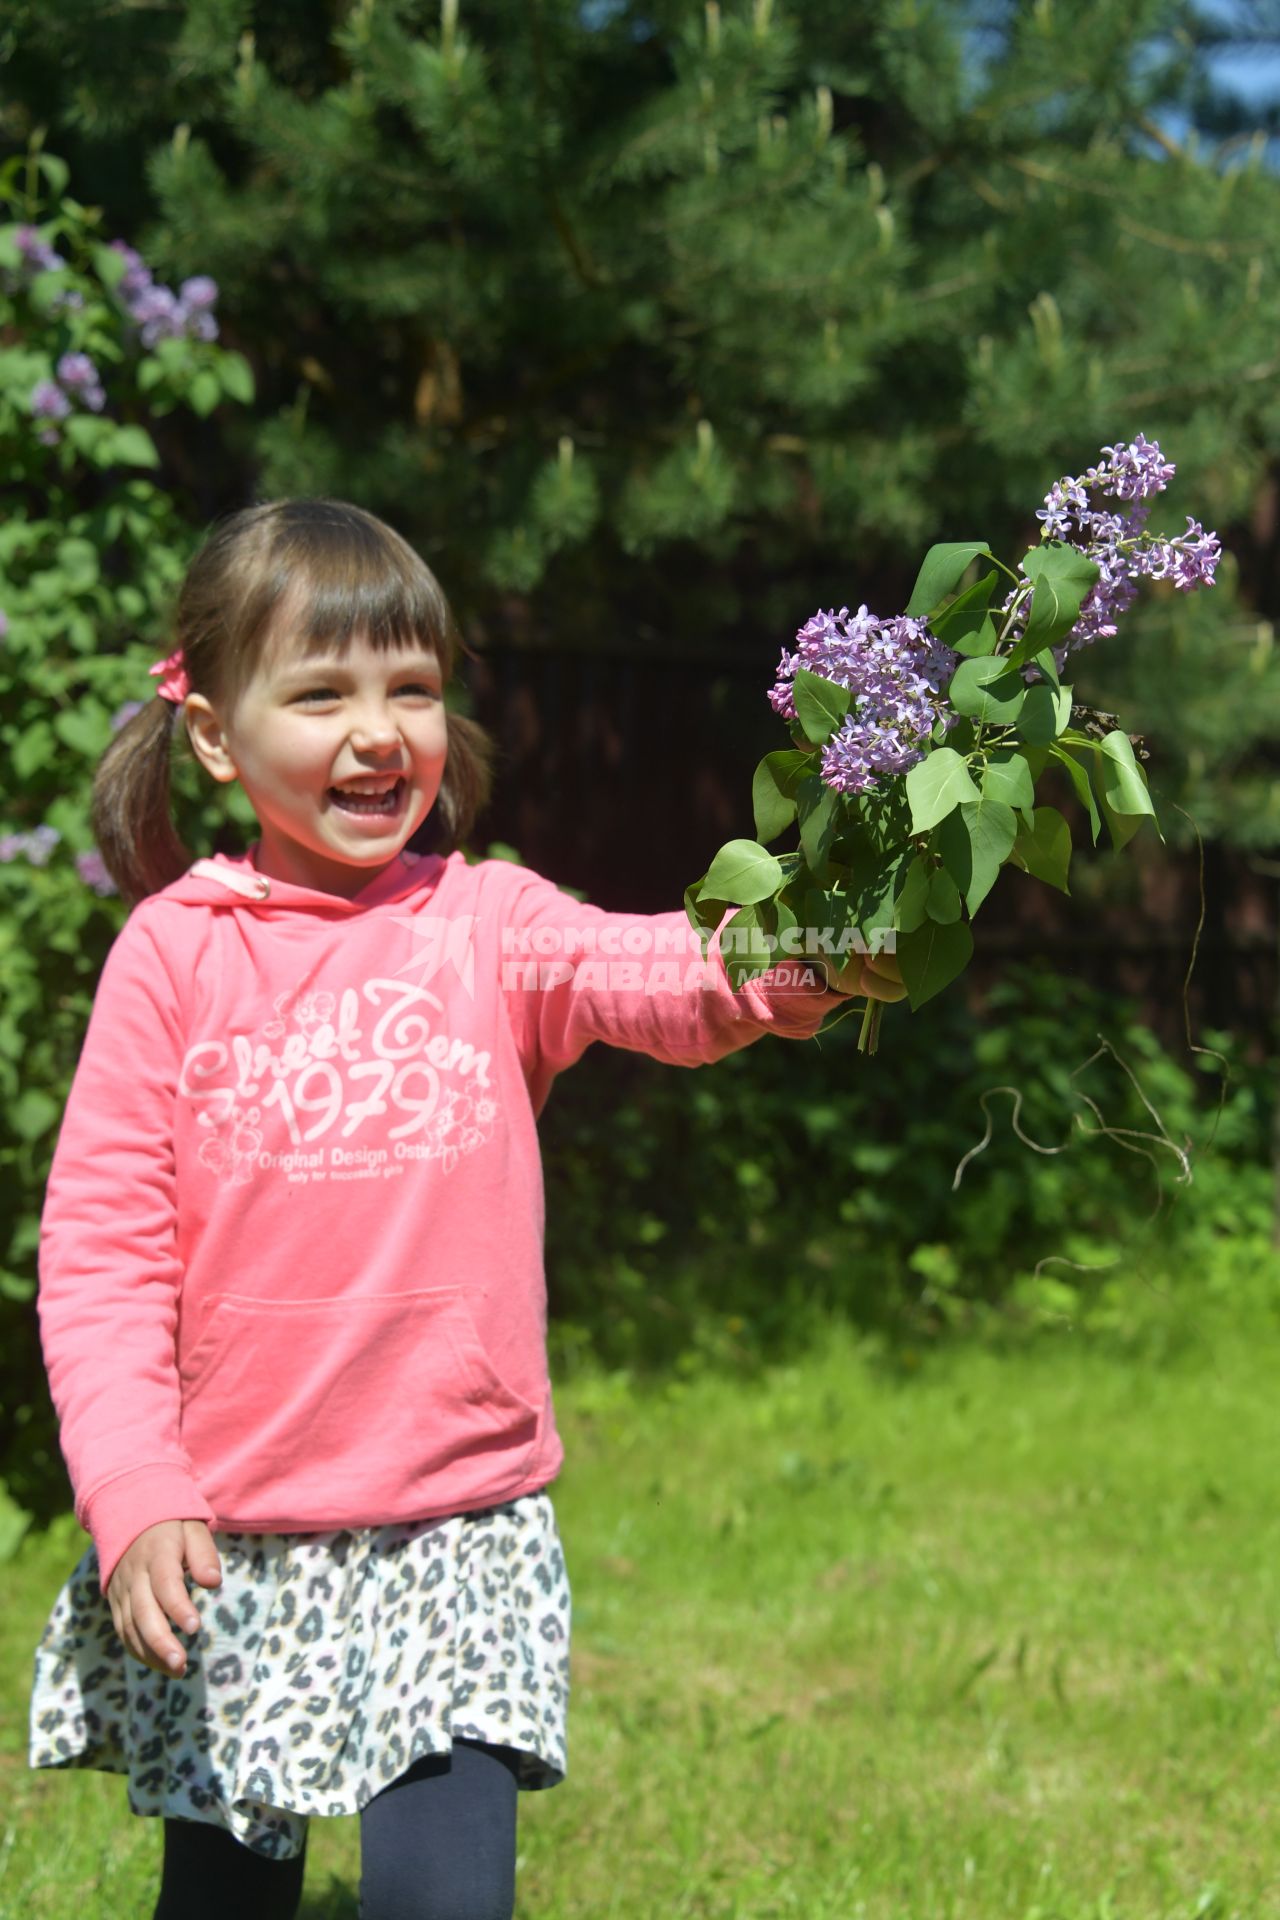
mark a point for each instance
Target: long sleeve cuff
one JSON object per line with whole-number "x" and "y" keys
{"x": 117, "y": 1512}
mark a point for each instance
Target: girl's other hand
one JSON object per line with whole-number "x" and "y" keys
{"x": 876, "y": 976}
{"x": 147, "y": 1590}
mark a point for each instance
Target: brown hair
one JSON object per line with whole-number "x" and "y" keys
{"x": 346, "y": 573}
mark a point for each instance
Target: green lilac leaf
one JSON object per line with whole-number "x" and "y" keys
{"x": 133, "y": 447}
{"x": 820, "y": 705}
{"x": 965, "y": 624}
{"x": 205, "y": 392}
{"x": 931, "y": 958}
{"x": 773, "y": 791}
{"x": 943, "y": 903}
{"x": 237, "y": 378}
{"x": 1083, "y": 785}
{"x": 1063, "y": 578}
{"x": 935, "y": 785}
{"x": 913, "y": 895}
{"x": 1007, "y": 778}
{"x": 984, "y": 689}
{"x": 818, "y": 815}
{"x": 942, "y": 569}
{"x": 1045, "y": 714}
{"x": 743, "y": 873}
{"x": 1122, "y": 779}
{"x": 1046, "y": 850}
{"x": 974, "y": 843}
{"x": 743, "y": 945}
{"x": 704, "y": 916}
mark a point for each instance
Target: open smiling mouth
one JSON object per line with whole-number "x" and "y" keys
{"x": 367, "y": 801}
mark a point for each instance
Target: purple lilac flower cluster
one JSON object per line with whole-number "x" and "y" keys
{"x": 92, "y": 869}
{"x": 35, "y": 846}
{"x": 896, "y": 672}
{"x": 1116, "y": 541}
{"x": 157, "y": 311}
{"x": 52, "y": 400}
{"x": 39, "y": 257}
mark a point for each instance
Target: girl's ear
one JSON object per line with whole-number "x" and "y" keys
{"x": 208, "y": 738}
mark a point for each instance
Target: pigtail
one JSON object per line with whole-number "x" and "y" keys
{"x": 468, "y": 777}
{"x": 132, "y": 807}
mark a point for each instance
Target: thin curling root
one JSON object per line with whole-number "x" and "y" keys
{"x": 1132, "y": 1139}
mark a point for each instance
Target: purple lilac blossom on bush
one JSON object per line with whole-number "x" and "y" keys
{"x": 35, "y": 846}
{"x": 52, "y": 402}
{"x": 78, "y": 375}
{"x": 896, "y": 671}
{"x": 39, "y": 257}
{"x": 92, "y": 869}
{"x": 157, "y": 311}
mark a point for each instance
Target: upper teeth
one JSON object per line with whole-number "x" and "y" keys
{"x": 387, "y": 787}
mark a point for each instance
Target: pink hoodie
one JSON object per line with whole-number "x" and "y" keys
{"x": 291, "y": 1257}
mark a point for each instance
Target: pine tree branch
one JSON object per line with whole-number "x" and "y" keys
{"x": 1217, "y": 250}
{"x": 1220, "y": 251}
{"x": 585, "y": 267}
{"x": 985, "y": 191}
{"x": 735, "y": 203}
{"x": 1154, "y": 131}
{"x": 1230, "y": 377}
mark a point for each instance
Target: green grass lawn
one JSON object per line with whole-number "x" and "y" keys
{"x": 993, "y": 1636}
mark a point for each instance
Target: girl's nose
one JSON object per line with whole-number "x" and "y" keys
{"x": 374, "y": 730}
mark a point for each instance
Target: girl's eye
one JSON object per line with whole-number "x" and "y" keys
{"x": 420, "y": 688}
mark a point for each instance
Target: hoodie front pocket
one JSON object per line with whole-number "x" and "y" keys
{"x": 349, "y": 1408}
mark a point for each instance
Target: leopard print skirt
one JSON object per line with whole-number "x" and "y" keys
{"x": 324, "y": 1666}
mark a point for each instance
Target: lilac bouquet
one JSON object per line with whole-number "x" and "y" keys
{"x": 919, "y": 741}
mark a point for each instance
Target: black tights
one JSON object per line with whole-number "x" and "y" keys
{"x": 438, "y": 1844}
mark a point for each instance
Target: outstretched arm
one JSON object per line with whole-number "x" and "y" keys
{"x": 574, "y": 974}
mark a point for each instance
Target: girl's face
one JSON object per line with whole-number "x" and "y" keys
{"x": 341, "y": 759}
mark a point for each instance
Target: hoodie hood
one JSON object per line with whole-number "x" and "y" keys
{"x": 226, "y": 882}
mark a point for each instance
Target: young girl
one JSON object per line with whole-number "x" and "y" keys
{"x": 291, "y": 1289}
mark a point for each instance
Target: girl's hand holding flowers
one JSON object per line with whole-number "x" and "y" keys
{"x": 870, "y": 976}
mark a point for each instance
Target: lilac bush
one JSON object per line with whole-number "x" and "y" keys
{"x": 93, "y": 546}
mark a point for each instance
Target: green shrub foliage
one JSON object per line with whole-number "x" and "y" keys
{"x": 728, "y": 1217}
{"x": 91, "y": 549}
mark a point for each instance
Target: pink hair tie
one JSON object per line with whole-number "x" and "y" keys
{"x": 175, "y": 686}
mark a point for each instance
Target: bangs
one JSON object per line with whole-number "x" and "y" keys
{"x": 358, "y": 595}
{"x": 329, "y": 574}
